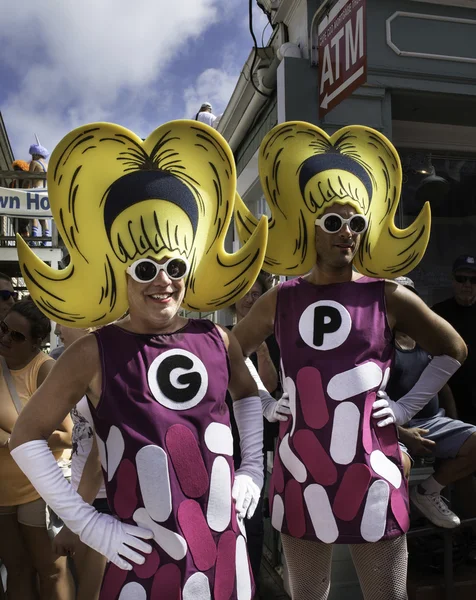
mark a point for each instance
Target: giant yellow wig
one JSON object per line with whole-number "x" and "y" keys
{"x": 116, "y": 198}
{"x": 303, "y": 171}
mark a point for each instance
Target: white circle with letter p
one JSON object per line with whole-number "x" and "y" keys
{"x": 325, "y": 325}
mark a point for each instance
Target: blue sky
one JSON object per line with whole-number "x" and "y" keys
{"x": 138, "y": 64}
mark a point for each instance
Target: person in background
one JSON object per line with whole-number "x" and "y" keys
{"x": 38, "y": 164}
{"x": 205, "y": 115}
{"x": 21, "y": 165}
{"x": 87, "y": 479}
{"x": 460, "y": 311}
{"x": 25, "y": 547}
{"x": 434, "y": 431}
{"x": 58, "y": 351}
{"x": 8, "y": 295}
{"x": 266, "y": 363}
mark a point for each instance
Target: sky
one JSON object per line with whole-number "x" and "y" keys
{"x": 139, "y": 64}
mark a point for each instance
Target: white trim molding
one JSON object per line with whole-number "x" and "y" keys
{"x": 409, "y": 15}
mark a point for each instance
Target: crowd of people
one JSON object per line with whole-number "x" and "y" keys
{"x": 345, "y": 375}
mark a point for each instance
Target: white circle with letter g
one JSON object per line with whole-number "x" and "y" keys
{"x": 178, "y": 379}
{"x": 325, "y": 325}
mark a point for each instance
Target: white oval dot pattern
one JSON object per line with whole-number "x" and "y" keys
{"x": 384, "y": 467}
{"x": 219, "y": 439}
{"x": 290, "y": 388}
{"x": 277, "y": 516}
{"x": 154, "y": 481}
{"x": 320, "y": 511}
{"x": 219, "y": 499}
{"x": 197, "y": 587}
{"x": 374, "y": 519}
{"x": 345, "y": 433}
{"x": 292, "y": 463}
{"x": 171, "y": 542}
{"x": 243, "y": 579}
{"x": 133, "y": 591}
{"x": 355, "y": 381}
{"x": 115, "y": 450}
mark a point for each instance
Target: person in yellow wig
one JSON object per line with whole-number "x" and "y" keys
{"x": 338, "y": 476}
{"x": 145, "y": 223}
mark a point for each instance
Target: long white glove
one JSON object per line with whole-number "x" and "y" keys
{"x": 249, "y": 477}
{"x": 432, "y": 379}
{"x": 103, "y": 533}
{"x": 273, "y": 410}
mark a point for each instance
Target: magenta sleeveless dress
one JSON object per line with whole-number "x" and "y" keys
{"x": 164, "y": 438}
{"x": 337, "y": 477}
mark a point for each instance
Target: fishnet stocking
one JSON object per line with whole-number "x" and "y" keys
{"x": 381, "y": 568}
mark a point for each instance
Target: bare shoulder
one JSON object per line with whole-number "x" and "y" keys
{"x": 397, "y": 299}
{"x": 81, "y": 363}
{"x": 225, "y": 334}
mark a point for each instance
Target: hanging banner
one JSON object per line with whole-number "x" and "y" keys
{"x": 17, "y": 202}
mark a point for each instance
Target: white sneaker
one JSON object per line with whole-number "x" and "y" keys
{"x": 434, "y": 508}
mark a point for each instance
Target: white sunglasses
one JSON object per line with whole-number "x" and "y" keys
{"x": 333, "y": 223}
{"x": 145, "y": 270}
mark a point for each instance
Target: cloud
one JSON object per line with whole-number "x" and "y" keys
{"x": 216, "y": 85}
{"x": 212, "y": 85}
{"x": 93, "y": 60}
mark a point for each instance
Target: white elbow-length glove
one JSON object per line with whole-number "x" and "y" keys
{"x": 432, "y": 379}
{"x": 105, "y": 534}
{"x": 273, "y": 410}
{"x": 249, "y": 477}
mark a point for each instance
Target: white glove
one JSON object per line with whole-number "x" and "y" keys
{"x": 273, "y": 410}
{"x": 249, "y": 477}
{"x": 103, "y": 533}
{"x": 382, "y": 409}
{"x": 246, "y": 495}
{"x": 276, "y": 410}
{"x": 432, "y": 379}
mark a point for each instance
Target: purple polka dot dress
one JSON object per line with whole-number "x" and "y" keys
{"x": 337, "y": 477}
{"x": 165, "y": 443}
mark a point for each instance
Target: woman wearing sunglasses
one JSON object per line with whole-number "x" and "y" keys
{"x": 33, "y": 571}
{"x": 156, "y": 380}
{"x": 8, "y": 295}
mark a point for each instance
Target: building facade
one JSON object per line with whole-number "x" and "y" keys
{"x": 420, "y": 92}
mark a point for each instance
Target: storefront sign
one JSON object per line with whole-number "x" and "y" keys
{"x": 342, "y": 55}
{"x": 24, "y": 203}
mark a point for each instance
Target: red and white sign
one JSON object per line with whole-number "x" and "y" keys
{"x": 342, "y": 55}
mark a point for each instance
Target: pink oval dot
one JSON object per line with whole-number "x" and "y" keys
{"x": 187, "y": 460}
{"x": 113, "y": 582}
{"x": 312, "y": 399}
{"x": 294, "y": 509}
{"x": 388, "y": 440}
{"x": 125, "y": 498}
{"x": 351, "y": 492}
{"x": 319, "y": 464}
{"x": 367, "y": 423}
{"x": 167, "y": 583}
{"x": 150, "y": 566}
{"x": 225, "y": 567}
{"x": 197, "y": 534}
{"x": 400, "y": 510}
